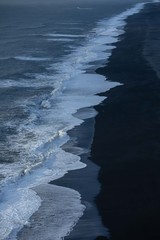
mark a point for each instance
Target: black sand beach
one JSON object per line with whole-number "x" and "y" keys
{"x": 127, "y": 137}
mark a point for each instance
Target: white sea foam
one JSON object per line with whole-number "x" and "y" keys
{"x": 64, "y": 35}
{"x": 20, "y": 201}
{"x": 25, "y": 58}
{"x": 60, "y": 40}
{"x": 43, "y": 159}
{"x": 29, "y": 58}
{"x": 37, "y": 82}
{"x": 16, "y": 209}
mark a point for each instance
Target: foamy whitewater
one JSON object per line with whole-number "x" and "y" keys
{"x": 70, "y": 85}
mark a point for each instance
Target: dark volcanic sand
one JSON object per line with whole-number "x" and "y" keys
{"x": 127, "y": 138}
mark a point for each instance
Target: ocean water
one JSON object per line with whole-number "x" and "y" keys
{"x": 48, "y": 58}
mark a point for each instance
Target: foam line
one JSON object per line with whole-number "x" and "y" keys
{"x": 64, "y": 35}
{"x": 29, "y": 58}
{"x": 60, "y": 40}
